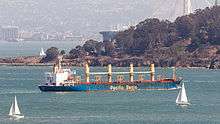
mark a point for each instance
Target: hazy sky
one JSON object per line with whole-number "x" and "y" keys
{"x": 86, "y": 17}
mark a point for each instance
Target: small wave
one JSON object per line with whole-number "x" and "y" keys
{"x": 20, "y": 79}
{"x": 67, "y": 117}
{"x": 22, "y": 92}
{"x": 157, "y": 89}
{"x": 202, "y": 81}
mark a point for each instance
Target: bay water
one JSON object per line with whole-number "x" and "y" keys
{"x": 33, "y": 48}
{"x": 140, "y": 107}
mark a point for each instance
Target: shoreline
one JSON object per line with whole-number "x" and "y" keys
{"x": 26, "y": 64}
{"x": 51, "y": 64}
{"x": 94, "y": 62}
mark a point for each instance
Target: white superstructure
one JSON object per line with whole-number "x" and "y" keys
{"x": 59, "y": 76}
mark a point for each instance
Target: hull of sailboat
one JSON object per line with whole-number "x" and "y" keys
{"x": 183, "y": 103}
{"x": 16, "y": 116}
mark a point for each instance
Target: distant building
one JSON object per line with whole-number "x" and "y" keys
{"x": 9, "y": 33}
{"x": 108, "y": 35}
{"x": 25, "y": 35}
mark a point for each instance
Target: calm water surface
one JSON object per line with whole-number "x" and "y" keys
{"x": 147, "y": 107}
{"x": 32, "y": 48}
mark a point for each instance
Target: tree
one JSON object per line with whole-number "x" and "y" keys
{"x": 52, "y": 54}
{"x": 74, "y": 53}
{"x": 184, "y": 26}
{"x": 62, "y": 52}
{"x": 90, "y": 46}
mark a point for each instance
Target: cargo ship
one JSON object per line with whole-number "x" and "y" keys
{"x": 64, "y": 80}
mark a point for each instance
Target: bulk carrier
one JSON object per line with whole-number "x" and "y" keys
{"x": 64, "y": 80}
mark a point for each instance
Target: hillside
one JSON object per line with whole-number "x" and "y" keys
{"x": 190, "y": 41}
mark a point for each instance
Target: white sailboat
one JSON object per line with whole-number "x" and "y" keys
{"x": 42, "y": 53}
{"x": 15, "y": 111}
{"x": 182, "y": 98}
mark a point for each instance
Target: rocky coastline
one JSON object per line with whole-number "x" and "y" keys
{"x": 104, "y": 61}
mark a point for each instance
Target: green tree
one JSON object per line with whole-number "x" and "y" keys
{"x": 52, "y": 54}
{"x": 62, "y": 52}
{"x": 184, "y": 26}
{"x": 90, "y": 46}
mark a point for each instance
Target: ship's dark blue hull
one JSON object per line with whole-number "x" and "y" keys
{"x": 113, "y": 87}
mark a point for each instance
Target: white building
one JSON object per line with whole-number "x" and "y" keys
{"x": 9, "y": 33}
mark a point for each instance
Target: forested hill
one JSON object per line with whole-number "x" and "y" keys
{"x": 190, "y": 41}
{"x": 194, "y": 37}
{"x": 201, "y": 28}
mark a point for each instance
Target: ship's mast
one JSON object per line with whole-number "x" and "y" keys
{"x": 57, "y": 65}
{"x": 60, "y": 59}
{"x": 187, "y": 7}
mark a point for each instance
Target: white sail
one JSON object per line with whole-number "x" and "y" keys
{"x": 11, "y": 109}
{"x": 178, "y": 97}
{"x": 42, "y": 53}
{"x": 16, "y": 108}
{"x": 183, "y": 94}
{"x": 182, "y": 98}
